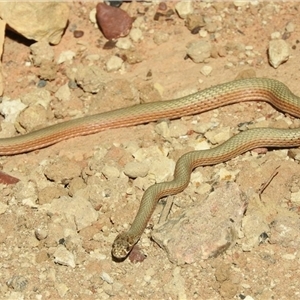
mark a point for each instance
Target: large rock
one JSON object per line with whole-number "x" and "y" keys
{"x": 35, "y": 20}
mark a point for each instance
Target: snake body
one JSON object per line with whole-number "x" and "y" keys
{"x": 254, "y": 89}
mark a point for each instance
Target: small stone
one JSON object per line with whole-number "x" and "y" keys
{"x": 63, "y": 93}
{"x": 199, "y": 51}
{"x": 61, "y": 289}
{"x": 113, "y": 21}
{"x": 136, "y": 169}
{"x": 104, "y": 276}
{"x": 78, "y": 34}
{"x": 160, "y": 37}
{"x": 124, "y": 44}
{"x": 79, "y": 208}
{"x": 206, "y": 70}
{"x": 136, "y": 34}
{"x": 64, "y": 257}
{"x": 279, "y": 52}
{"x": 275, "y": 35}
{"x": 115, "y": 63}
{"x": 290, "y": 27}
{"x": 219, "y": 135}
{"x": 41, "y": 233}
{"x": 67, "y": 55}
{"x": 184, "y": 8}
{"x": 110, "y": 172}
{"x": 194, "y": 21}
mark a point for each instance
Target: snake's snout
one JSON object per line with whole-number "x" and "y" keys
{"x": 122, "y": 245}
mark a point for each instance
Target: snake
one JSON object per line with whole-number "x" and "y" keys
{"x": 268, "y": 90}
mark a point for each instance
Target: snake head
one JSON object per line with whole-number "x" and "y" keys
{"x": 122, "y": 245}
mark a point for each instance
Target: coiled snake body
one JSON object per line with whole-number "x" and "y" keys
{"x": 254, "y": 89}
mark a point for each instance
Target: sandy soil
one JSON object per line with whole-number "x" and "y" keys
{"x": 28, "y": 269}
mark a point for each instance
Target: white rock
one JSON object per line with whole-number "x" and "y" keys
{"x": 275, "y": 35}
{"x": 124, "y": 43}
{"x": 64, "y": 257}
{"x": 199, "y": 51}
{"x": 218, "y": 136}
{"x": 65, "y": 56}
{"x": 63, "y": 93}
{"x": 104, "y": 276}
{"x": 184, "y": 8}
{"x": 114, "y": 63}
{"x": 11, "y": 109}
{"x": 77, "y": 207}
{"x": 92, "y": 16}
{"x": 178, "y": 129}
{"x": 290, "y": 27}
{"x": 36, "y": 20}
{"x": 279, "y": 52}
{"x": 110, "y": 172}
{"x": 136, "y": 169}
{"x": 206, "y": 70}
{"x": 136, "y": 34}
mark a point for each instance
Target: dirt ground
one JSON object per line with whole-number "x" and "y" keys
{"x": 45, "y": 254}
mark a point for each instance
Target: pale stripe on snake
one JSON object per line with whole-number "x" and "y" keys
{"x": 254, "y": 89}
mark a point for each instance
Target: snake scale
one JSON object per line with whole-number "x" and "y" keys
{"x": 253, "y": 89}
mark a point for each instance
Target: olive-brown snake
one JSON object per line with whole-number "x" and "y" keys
{"x": 254, "y": 89}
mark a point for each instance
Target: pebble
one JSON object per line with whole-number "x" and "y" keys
{"x": 113, "y": 21}
{"x": 62, "y": 170}
{"x": 160, "y": 37}
{"x": 290, "y": 27}
{"x": 184, "y": 8}
{"x": 206, "y": 70}
{"x": 199, "y": 51}
{"x": 124, "y": 44}
{"x": 79, "y": 208}
{"x": 194, "y": 22}
{"x": 63, "y": 93}
{"x": 279, "y": 52}
{"x": 11, "y": 109}
{"x": 136, "y": 169}
{"x": 61, "y": 288}
{"x": 90, "y": 78}
{"x": 64, "y": 257}
{"x": 64, "y": 56}
{"x": 41, "y": 233}
{"x": 136, "y": 34}
{"x": 219, "y": 135}
{"x": 104, "y": 276}
{"x": 78, "y": 34}
{"x": 115, "y": 63}
{"x": 253, "y": 225}
{"x": 110, "y": 172}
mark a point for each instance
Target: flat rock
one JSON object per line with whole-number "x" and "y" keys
{"x": 36, "y": 20}
{"x": 206, "y": 229}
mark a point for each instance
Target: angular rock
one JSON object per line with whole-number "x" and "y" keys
{"x": 279, "y": 52}
{"x": 36, "y": 20}
{"x": 205, "y": 230}
{"x": 113, "y": 21}
{"x": 199, "y": 51}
